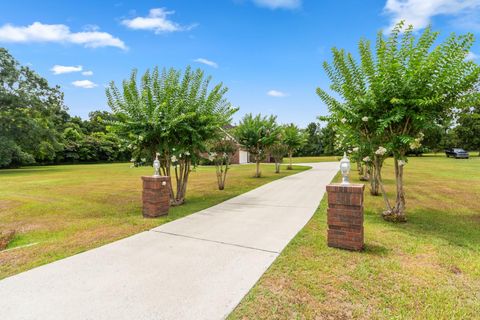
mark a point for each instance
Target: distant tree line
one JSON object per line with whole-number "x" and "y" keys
{"x": 320, "y": 140}
{"x": 35, "y": 126}
{"x": 462, "y": 131}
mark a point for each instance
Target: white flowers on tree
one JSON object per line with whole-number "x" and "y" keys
{"x": 355, "y": 149}
{"x": 153, "y": 113}
{"x": 212, "y": 156}
{"x": 389, "y": 95}
{"x": 366, "y": 159}
{"x": 417, "y": 142}
{"x": 381, "y": 151}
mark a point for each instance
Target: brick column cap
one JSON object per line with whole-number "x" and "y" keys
{"x": 152, "y": 178}
{"x": 350, "y": 188}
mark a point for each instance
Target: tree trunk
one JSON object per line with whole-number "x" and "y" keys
{"x": 375, "y": 177}
{"x": 219, "y": 172}
{"x": 397, "y": 213}
{"x": 290, "y": 166}
{"x": 258, "y": 173}
{"x": 182, "y": 172}
{"x": 277, "y": 167}
{"x": 166, "y": 171}
{"x": 360, "y": 168}
{"x": 222, "y": 169}
{"x": 366, "y": 173}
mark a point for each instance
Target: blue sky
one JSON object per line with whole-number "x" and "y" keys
{"x": 268, "y": 52}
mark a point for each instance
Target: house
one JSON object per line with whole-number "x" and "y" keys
{"x": 241, "y": 156}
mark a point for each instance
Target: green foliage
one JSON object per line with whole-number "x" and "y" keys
{"x": 224, "y": 147}
{"x": 257, "y": 134}
{"x": 221, "y": 153}
{"x": 172, "y": 113}
{"x": 169, "y": 110}
{"x": 35, "y": 125}
{"x": 277, "y": 151}
{"x": 11, "y": 155}
{"x": 293, "y": 138}
{"x": 406, "y": 86}
{"x": 467, "y": 130}
{"x": 320, "y": 140}
{"x": 30, "y": 112}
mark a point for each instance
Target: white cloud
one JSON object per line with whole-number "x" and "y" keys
{"x": 419, "y": 12}
{"x": 207, "y": 62}
{"x": 39, "y": 32}
{"x": 278, "y": 4}
{"x": 86, "y": 84}
{"x": 58, "y": 69}
{"x": 157, "y": 21}
{"x": 87, "y": 73}
{"x": 471, "y": 56}
{"x": 276, "y": 94}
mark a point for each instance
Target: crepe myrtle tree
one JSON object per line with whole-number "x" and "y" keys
{"x": 278, "y": 151}
{"x": 257, "y": 134}
{"x": 173, "y": 113}
{"x": 357, "y": 139}
{"x": 221, "y": 154}
{"x": 294, "y": 139}
{"x": 406, "y": 85}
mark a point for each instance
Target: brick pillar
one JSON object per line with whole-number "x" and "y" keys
{"x": 345, "y": 216}
{"x": 156, "y": 196}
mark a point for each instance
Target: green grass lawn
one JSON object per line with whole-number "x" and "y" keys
{"x": 427, "y": 268}
{"x": 58, "y": 211}
{"x": 312, "y": 159}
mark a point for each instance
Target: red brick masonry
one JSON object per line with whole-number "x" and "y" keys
{"x": 156, "y": 196}
{"x": 345, "y": 216}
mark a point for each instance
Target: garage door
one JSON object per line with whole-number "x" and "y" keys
{"x": 243, "y": 157}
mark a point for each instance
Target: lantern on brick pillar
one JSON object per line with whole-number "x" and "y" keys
{"x": 345, "y": 169}
{"x": 156, "y": 166}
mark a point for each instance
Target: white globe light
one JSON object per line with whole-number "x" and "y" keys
{"x": 345, "y": 168}
{"x": 156, "y": 166}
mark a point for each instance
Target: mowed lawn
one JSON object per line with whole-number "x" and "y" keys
{"x": 58, "y": 211}
{"x": 312, "y": 159}
{"x": 427, "y": 268}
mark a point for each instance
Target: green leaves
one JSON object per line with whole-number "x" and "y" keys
{"x": 293, "y": 138}
{"x": 170, "y": 109}
{"x": 257, "y": 133}
{"x": 30, "y": 112}
{"x": 404, "y": 86}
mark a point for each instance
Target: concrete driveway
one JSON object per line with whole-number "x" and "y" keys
{"x": 197, "y": 267}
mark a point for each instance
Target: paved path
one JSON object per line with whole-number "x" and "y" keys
{"x": 197, "y": 267}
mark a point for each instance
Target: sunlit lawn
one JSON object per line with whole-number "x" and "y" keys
{"x": 427, "y": 268}
{"x": 312, "y": 159}
{"x": 58, "y": 211}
